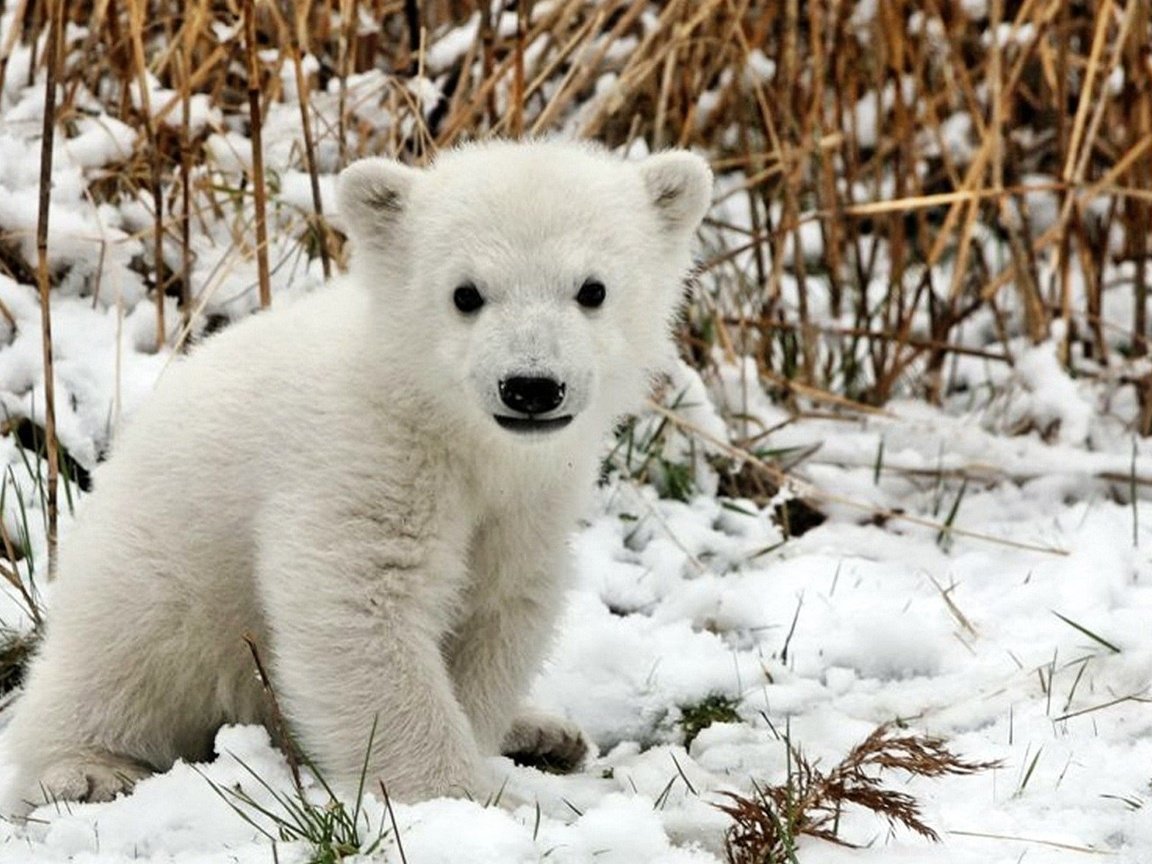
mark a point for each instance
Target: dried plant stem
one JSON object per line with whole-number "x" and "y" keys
{"x": 585, "y": 72}
{"x": 487, "y": 37}
{"x": 1079, "y": 148}
{"x": 413, "y": 20}
{"x": 56, "y": 26}
{"x": 517, "y": 100}
{"x": 12, "y": 577}
{"x": 137, "y": 11}
{"x": 302, "y": 90}
{"x": 185, "y": 187}
{"x": 1052, "y": 844}
{"x": 276, "y": 716}
{"x": 392, "y": 819}
{"x": 14, "y": 35}
{"x": 7, "y": 314}
{"x": 813, "y": 493}
{"x": 344, "y": 69}
{"x": 767, "y": 824}
{"x": 256, "y": 136}
{"x": 1139, "y": 213}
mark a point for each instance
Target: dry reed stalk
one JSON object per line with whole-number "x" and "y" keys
{"x": 1051, "y": 844}
{"x": 807, "y": 491}
{"x": 420, "y": 138}
{"x": 830, "y": 202}
{"x": 413, "y": 18}
{"x": 478, "y": 109}
{"x": 783, "y": 128}
{"x": 36, "y": 11}
{"x": 136, "y": 30}
{"x": 1026, "y": 272}
{"x": 202, "y": 77}
{"x": 12, "y": 577}
{"x": 1062, "y": 26}
{"x": 52, "y": 61}
{"x": 14, "y": 35}
{"x": 821, "y": 395}
{"x": 516, "y": 103}
{"x": 575, "y": 38}
{"x": 487, "y": 37}
{"x": 968, "y": 194}
{"x": 668, "y": 72}
{"x": 256, "y": 136}
{"x": 1139, "y": 213}
{"x": 593, "y": 25}
{"x": 575, "y": 83}
{"x": 1103, "y": 186}
{"x": 658, "y": 44}
{"x": 279, "y": 727}
{"x": 996, "y": 99}
{"x": 911, "y": 341}
{"x": 1070, "y": 172}
{"x": 303, "y": 88}
{"x": 348, "y": 12}
{"x": 185, "y": 185}
{"x": 1089, "y": 139}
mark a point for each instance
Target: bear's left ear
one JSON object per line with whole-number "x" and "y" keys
{"x": 372, "y": 197}
{"x": 679, "y": 185}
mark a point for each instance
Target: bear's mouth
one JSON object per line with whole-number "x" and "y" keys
{"x": 523, "y": 425}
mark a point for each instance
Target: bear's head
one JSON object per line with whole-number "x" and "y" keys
{"x": 526, "y": 289}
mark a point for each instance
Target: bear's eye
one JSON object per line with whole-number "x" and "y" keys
{"x": 467, "y": 298}
{"x": 591, "y": 293}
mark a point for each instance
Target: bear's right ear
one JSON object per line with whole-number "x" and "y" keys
{"x": 372, "y": 197}
{"x": 679, "y": 186}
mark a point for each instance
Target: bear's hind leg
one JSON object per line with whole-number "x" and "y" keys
{"x": 87, "y": 777}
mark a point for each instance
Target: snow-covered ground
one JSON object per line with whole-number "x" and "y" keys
{"x": 1021, "y": 634}
{"x": 678, "y": 601}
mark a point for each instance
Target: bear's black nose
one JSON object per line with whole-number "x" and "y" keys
{"x": 531, "y": 395}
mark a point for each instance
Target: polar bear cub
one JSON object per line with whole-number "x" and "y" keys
{"x": 374, "y": 485}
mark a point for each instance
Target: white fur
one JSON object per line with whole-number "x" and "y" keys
{"x": 329, "y": 480}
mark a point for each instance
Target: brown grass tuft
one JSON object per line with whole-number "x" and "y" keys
{"x": 766, "y": 825}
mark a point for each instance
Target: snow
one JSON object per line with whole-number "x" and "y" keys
{"x": 760, "y": 69}
{"x": 876, "y": 638}
{"x": 1020, "y": 633}
{"x": 454, "y": 42}
{"x": 1051, "y": 396}
{"x": 677, "y": 600}
{"x": 230, "y": 152}
{"x": 165, "y": 105}
{"x": 100, "y": 140}
{"x": 976, "y": 9}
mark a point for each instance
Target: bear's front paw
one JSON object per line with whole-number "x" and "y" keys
{"x": 546, "y": 743}
{"x": 90, "y": 778}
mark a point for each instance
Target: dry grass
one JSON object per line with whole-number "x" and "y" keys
{"x": 767, "y": 825}
{"x": 904, "y": 156}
